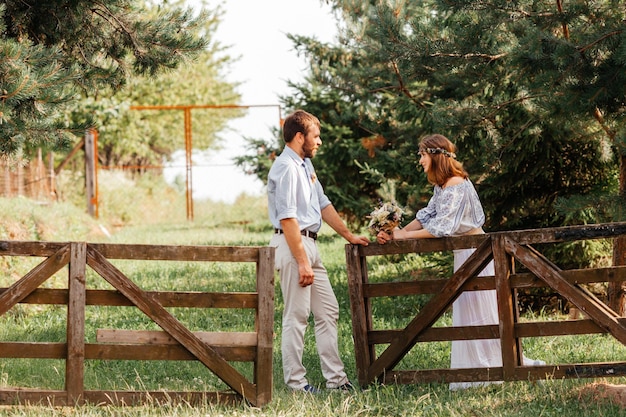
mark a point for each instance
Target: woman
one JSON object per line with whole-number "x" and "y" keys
{"x": 455, "y": 210}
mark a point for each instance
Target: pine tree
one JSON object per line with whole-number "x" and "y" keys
{"x": 52, "y": 51}
{"x": 532, "y": 93}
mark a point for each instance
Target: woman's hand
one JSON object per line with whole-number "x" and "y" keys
{"x": 383, "y": 237}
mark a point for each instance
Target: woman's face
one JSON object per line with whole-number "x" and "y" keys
{"x": 425, "y": 161}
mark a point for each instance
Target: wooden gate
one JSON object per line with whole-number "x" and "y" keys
{"x": 176, "y": 342}
{"x": 505, "y": 249}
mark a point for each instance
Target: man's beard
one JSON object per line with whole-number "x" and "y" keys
{"x": 308, "y": 152}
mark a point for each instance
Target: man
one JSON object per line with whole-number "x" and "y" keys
{"x": 297, "y": 205}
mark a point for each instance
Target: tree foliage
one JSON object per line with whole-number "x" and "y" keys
{"x": 51, "y": 51}
{"x": 141, "y": 138}
{"x": 532, "y": 93}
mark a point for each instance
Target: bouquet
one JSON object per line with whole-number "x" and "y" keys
{"x": 385, "y": 218}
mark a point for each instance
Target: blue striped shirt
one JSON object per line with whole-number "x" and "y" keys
{"x": 452, "y": 211}
{"x": 294, "y": 191}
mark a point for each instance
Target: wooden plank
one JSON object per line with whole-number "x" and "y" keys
{"x": 574, "y": 276}
{"x": 517, "y": 281}
{"x": 170, "y": 324}
{"x": 550, "y": 273}
{"x": 526, "y": 236}
{"x": 263, "y": 373}
{"x": 35, "y": 350}
{"x": 247, "y": 300}
{"x": 565, "y": 234}
{"x": 28, "y": 248}
{"x": 508, "y": 342}
{"x": 33, "y": 279}
{"x": 430, "y": 312}
{"x": 419, "y": 287}
{"x": 165, "y": 352}
{"x": 32, "y": 397}
{"x": 594, "y": 231}
{"x": 178, "y": 252}
{"x": 443, "y": 375}
{"x": 522, "y": 373}
{"x": 438, "y": 334}
{"x": 529, "y": 329}
{"x": 75, "y": 362}
{"x": 616, "y": 291}
{"x": 361, "y": 324}
{"x": 422, "y": 245}
{"x": 561, "y": 328}
{"x": 370, "y": 290}
{"x": 156, "y": 337}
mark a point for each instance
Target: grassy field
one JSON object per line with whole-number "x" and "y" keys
{"x": 148, "y": 213}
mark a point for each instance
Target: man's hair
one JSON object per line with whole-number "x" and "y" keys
{"x": 298, "y": 121}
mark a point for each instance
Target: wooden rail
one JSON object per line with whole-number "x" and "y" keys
{"x": 505, "y": 249}
{"x": 175, "y": 342}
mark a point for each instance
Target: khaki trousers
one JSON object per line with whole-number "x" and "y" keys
{"x": 319, "y": 299}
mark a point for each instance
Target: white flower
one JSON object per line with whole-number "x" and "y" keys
{"x": 386, "y": 218}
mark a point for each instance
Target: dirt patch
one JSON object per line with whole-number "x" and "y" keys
{"x": 615, "y": 394}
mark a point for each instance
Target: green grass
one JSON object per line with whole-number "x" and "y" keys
{"x": 245, "y": 223}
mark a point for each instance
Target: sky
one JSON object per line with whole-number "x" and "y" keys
{"x": 256, "y": 32}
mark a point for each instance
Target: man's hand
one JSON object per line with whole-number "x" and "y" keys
{"x": 359, "y": 240}
{"x": 306, "y": 275}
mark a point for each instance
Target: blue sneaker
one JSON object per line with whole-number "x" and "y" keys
{"x": 309, "y": 389}
{"x": 347, "y": 387}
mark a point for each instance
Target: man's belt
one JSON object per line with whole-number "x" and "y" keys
{"x": 306, "y": 233}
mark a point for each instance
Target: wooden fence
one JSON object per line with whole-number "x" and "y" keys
{"x": 34, "y": 179}
{"x": 175, "y": 342}
{"x": 506, "y": 249}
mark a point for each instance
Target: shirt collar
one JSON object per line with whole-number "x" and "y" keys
{"x": 293, "y": 155}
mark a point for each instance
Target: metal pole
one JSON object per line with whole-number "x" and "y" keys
{"x": 188, "y": 162}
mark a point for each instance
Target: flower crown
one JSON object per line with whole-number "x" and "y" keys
{"x": 439, "y": 150}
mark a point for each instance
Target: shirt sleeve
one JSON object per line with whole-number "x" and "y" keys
{"x": 285, "y": 192}
{"x": 444, "y": 211}
{"x": 427, "y": 213}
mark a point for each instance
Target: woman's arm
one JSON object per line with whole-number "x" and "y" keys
{"x": 412, "y": 234}
{"x": 413, "y": 230}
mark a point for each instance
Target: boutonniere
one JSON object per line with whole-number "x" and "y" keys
{"x": 313, "y": 178}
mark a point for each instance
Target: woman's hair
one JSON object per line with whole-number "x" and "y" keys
{"x": 298, "y": 121}
{"x": 442, "y": 154}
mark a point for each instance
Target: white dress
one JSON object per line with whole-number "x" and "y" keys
{"x": 454, "y": 211}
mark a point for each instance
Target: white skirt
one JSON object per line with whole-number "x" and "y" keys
{"x": 476, "y": 308}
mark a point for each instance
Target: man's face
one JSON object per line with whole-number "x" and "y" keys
{"x": 312, "y": 142}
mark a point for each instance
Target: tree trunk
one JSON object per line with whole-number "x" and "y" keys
{"x": 616, "y": 290}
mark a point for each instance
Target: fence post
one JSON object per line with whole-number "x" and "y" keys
{"x": 75, "y": 362}
{"x": 361, "y": 312}
{"x": 265, "y": 326}
{"x": 90, "y": 171}
{"x": 503, "y": 267}
{"x": 616, "y": 290}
